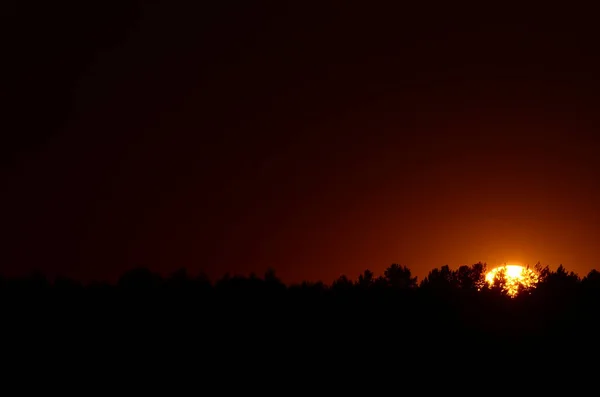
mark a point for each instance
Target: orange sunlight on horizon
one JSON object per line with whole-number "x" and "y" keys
{"x": 515, "y": 276}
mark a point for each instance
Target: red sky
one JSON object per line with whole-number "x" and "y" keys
{"x": 315, "y": 140}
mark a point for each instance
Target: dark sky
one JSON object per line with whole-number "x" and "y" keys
{"x": 318, "y": 140}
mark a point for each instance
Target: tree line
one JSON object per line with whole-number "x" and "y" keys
{"x": 539, "y": 280}
{"x": 450, "y": 313}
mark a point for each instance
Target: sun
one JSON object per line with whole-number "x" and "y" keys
{"x": 513, "y": 276}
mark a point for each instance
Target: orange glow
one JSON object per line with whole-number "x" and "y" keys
{"x": 513, "y": 276}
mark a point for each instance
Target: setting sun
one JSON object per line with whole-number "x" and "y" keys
{"x": 515, "y": 276}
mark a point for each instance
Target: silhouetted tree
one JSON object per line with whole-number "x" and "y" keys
{"x": 542, "y": 271}
{"x": 202, "y": 281}
{"x": 366, "y": 279}
{"x": 140, "y": 278}
{"x": 440, "y": 279}
{"x": 466, "y": 278}
{"x": 342, "y": 284}
{"x": 499, "y": 282}
{"x": 592, "y": 279}
{"x": 400, "y": 277}
{"x": 179, "y": 279}
{"x": 558, "y": 283}
{"x": 472, "y": 277}
{"x": 273, "y": 283}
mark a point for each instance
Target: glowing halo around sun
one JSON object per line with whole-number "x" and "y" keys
{"x": 515, "y": 276}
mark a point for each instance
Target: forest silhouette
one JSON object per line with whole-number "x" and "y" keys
{"x": 451, "y": 314}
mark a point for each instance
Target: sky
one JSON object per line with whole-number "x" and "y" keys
{"x": 316, "y": 140}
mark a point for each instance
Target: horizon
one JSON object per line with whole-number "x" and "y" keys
{"x": 538, "y": 266}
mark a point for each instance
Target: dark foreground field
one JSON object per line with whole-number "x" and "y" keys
{"x": 259, "y": 326}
